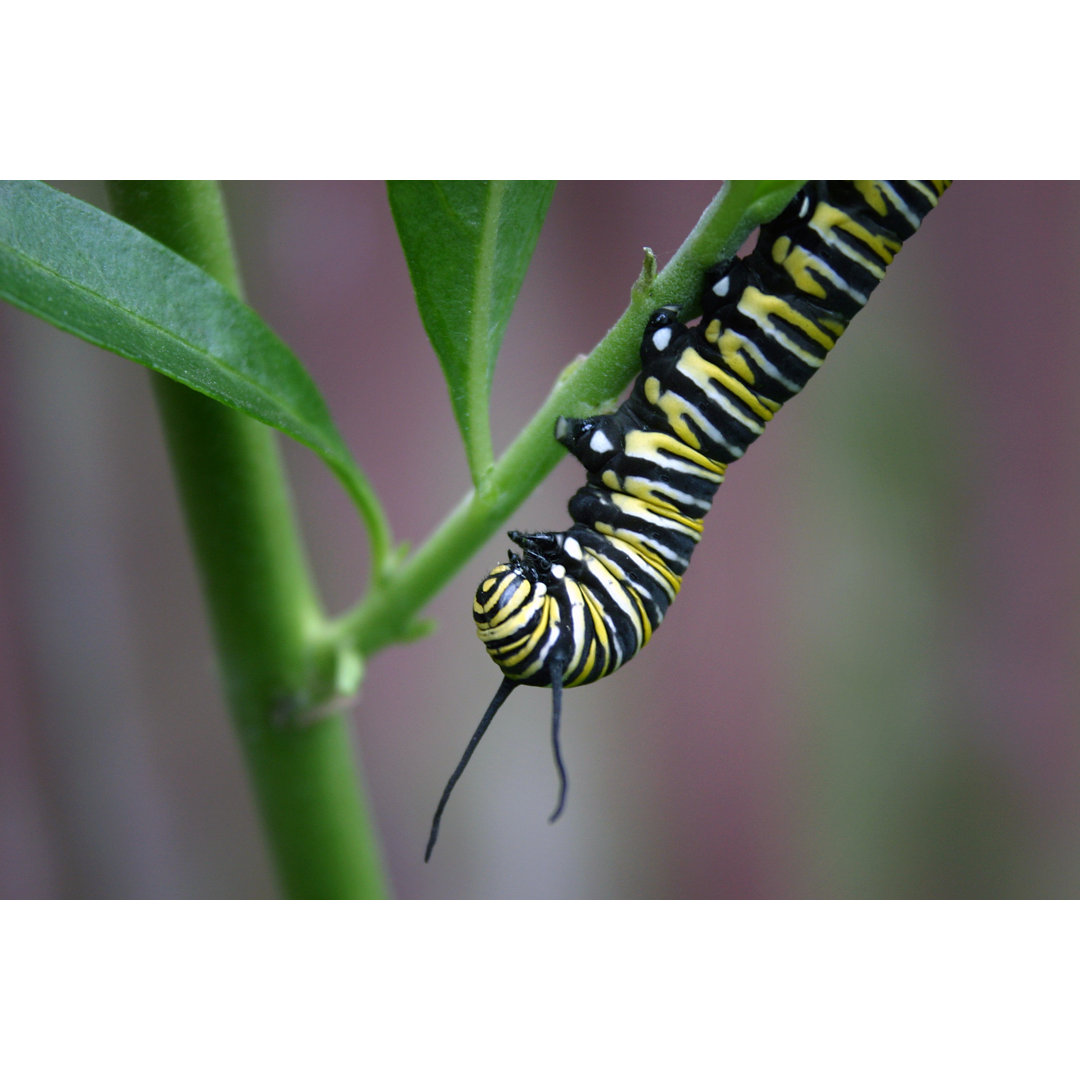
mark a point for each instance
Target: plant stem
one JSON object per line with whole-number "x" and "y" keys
{"x": 387, "y": 613}
{"x": 265, "y": 616}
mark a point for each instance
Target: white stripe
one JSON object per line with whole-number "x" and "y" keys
{"x": 835, "y": 240}
{"x": 758, "y": 358}
{"x": 770, "y": 330}
{"x": 673, "y": 493}
{"x": 823, "y": 269}
{"x": 895, "y": 198}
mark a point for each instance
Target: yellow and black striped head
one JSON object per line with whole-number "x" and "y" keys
{"x": 518, "y": 620}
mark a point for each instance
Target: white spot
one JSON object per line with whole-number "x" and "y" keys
{"x": 661, "y": 338}
{"x": 804, "y": 205}
{"x": 572, "y": 548}
{"x": 722, "y": 287}
{"x": 562, "y": 428}
{"x": 600, "y": 443}
{"x": 558, "y": 571}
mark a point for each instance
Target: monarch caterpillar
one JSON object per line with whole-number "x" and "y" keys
{"x": 576, "y": 605}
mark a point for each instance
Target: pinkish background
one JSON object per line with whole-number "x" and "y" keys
{"x": 868, "y": 687}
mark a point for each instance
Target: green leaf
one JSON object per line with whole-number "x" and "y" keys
{"x": 468, "y": 245}
{"x": 93, "y": 276}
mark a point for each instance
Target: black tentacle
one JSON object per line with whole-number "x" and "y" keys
{"x": 505, "y": 688}
{"x": 556, "y": 719}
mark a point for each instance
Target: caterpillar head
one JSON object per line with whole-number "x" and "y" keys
{"x": 515, "y": 612}
{"x": 517, "y": 617}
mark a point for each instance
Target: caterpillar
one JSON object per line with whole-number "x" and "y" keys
{"x": 575, "y": 606}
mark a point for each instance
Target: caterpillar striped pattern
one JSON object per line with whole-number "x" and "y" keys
{"x": 575, "y": 606}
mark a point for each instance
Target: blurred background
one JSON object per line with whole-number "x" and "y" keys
{"x": 868, "y": 686}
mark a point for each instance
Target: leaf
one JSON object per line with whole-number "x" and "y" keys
{"x": 111, "y": 285}
{"x": 468, "y": 245}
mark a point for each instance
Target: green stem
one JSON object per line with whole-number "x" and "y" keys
{"x": 266, "y": 619}
{"x": 387, "y": 614}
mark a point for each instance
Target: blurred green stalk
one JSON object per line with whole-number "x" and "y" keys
{"x": 265, "y": 615}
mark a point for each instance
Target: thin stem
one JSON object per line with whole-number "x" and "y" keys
{"x": 263, "y": 609}
{"x": 376, "y": 524}
{"x": 387, "y": 614}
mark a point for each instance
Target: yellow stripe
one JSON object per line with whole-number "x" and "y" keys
{"x": 645, "y": 625}
{"x": 611, "y": 585}
{"x": 647, "y": 564}
{"x": 760, "y": 306}
{"x": 600, "y": 629}
{"x": 515, "y": 611}
{"x": 873, "y": 195}
{"x": 635, "y": 507}
{"x": 700, "y": 371}
{"x": 586, "y": 667}
{"x": 828, "y": 221}
{"x": 646, "y": 490}
{"x": 531, "y": 642}
{"x": 732, "y": 357}
{"x": 796, "y": 261}
{"x": 576, "y": 628}
{"x": 634, "y": 546}
{"x": 505, "y": 578}
{"x": 735, "y": 348}
{"x": 672, "y": 407}
{"x": 596, "y": 620}
{"x": 650, "y": 444}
